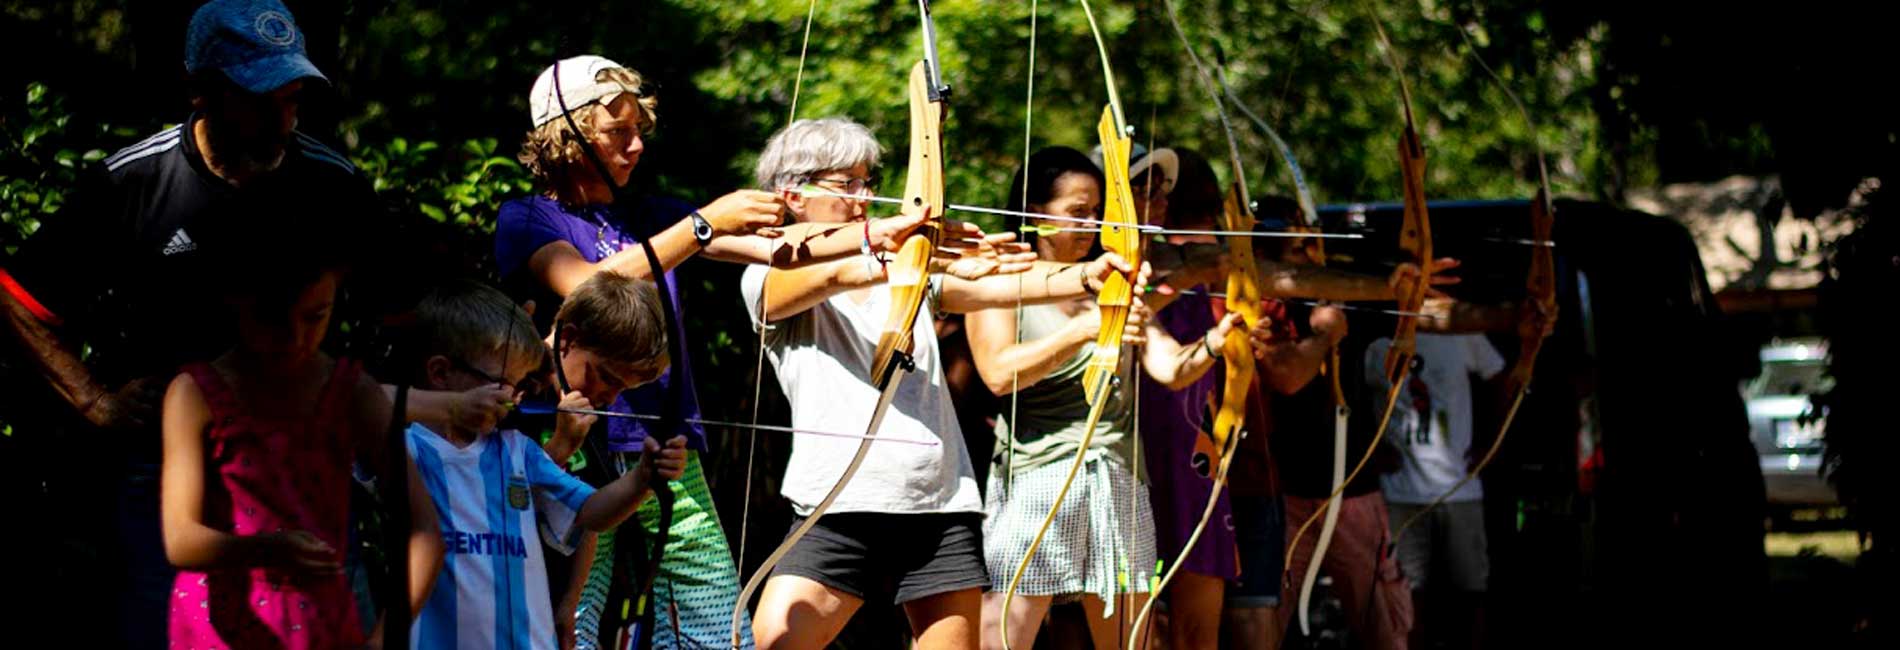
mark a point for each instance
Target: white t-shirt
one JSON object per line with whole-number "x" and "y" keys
{"x": 1432, "y": 427}
{"x": 490, "y": 498}
{"x": 823, "y": 360}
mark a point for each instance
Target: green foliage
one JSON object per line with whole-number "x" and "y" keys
{"x": 40, "y": 162}
{"x": 1322, "y": 76}
{"x": 1331, "y": 94}
{"x": 462, "y": 186}
{"x": 457, "y": 70}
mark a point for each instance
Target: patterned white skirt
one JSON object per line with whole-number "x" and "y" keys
{"x": 1102, "y": 541}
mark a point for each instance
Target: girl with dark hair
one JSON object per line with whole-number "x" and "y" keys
{"x": 255, "y": 484}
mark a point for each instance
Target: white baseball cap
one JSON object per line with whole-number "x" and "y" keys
{"x": 578, "y": 87}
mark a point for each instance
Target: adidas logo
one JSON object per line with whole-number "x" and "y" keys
{"x": 180, "y": 243}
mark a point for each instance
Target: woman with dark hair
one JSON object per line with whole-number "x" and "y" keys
{"x": 1101, "y": 543}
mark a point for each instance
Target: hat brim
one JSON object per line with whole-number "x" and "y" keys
{"x": 270, "y": 73}
{"x": 576, "y": 98}
{"x": 1164, "y": 158}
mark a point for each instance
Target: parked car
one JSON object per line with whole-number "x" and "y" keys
{"x": 1784, "y": 423}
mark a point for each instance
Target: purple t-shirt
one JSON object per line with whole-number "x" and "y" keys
{"x": 530, "y": 223}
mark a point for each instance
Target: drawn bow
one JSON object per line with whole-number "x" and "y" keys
{"x": 1540, "y": 294}
{"x": 1214, "y": 452}
{"x": 1415, "y": 244}
{"x": 1121, "y": 235}
{"x": 907, "y": 274}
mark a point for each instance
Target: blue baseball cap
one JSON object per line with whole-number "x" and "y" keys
{"x": 253, "y": 42}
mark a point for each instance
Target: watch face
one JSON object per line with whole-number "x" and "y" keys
{"x": 702, "y": 230}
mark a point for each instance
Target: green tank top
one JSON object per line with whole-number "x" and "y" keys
{"x": 1052, "y": 415}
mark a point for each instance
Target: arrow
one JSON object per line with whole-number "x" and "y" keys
{"x": 545, "y": 409}
{"x": 1050, "y": 230}
{"x": 810, "y": 191}
{"x": 1302, "y": 301}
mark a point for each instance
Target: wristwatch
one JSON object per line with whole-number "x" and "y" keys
{"x": 702, "y": 229}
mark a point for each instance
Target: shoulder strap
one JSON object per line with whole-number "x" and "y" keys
{"x": 669, "y": 426}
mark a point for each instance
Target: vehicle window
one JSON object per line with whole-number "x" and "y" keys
{"x": 1805, "y": 377}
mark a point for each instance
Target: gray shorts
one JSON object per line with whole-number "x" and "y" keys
{"x": 1447, "y": 543}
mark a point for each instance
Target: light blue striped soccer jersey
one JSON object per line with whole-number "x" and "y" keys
{"x": 491, "y": 497}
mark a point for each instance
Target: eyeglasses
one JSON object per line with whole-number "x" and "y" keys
{"x": 847, "y": 185}
{"x": 483, "y": 375}
{"x": 529, "y": 385}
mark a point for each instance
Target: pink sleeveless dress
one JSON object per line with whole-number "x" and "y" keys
{"x": 266, "y": 474}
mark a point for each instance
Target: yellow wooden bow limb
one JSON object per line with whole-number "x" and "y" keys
{"x": 1243, "y": 297}
{"x": 909, "y": 271}
{"x": 1214, "y": 451}
{"x": 1119, "y": 236}
{"x": 1307, "y": 221}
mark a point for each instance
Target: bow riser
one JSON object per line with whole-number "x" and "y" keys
{"x": 1415, "y": 237}
{"x": 1119, "y": 236}
{"x": 923, "y": 196}
{"x": 1243, "y": 297}
{"x": 1540, "y": 286}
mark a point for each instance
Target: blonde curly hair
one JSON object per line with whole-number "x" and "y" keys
{"x": 550, "y": 151}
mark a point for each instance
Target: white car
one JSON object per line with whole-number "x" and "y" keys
{"x": 1785, "y": 425}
